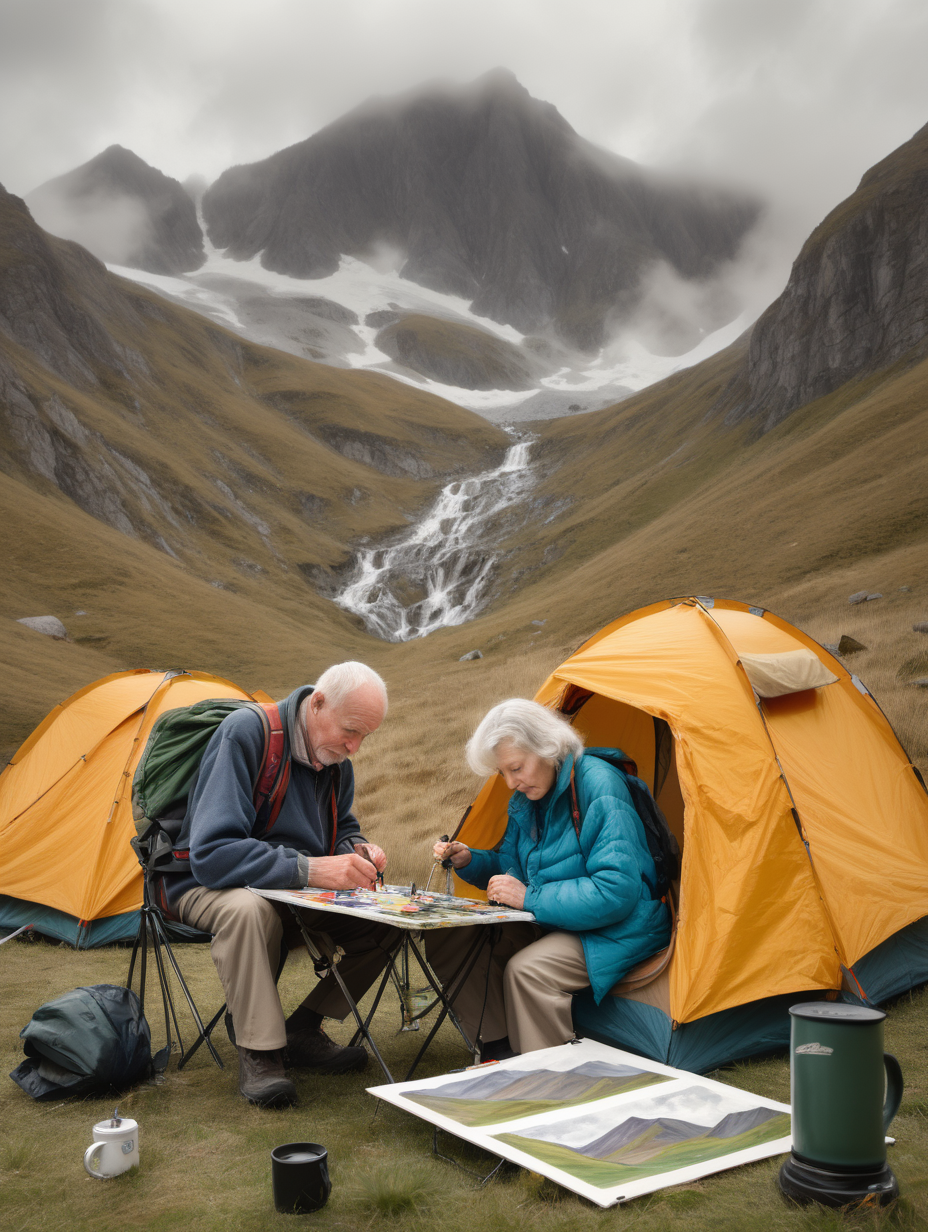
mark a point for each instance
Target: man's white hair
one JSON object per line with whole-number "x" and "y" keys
{"x": 527, "y": 725}
{"x": 339, "y": 681}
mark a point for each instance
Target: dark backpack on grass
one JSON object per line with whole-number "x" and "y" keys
{"x": 86, "y": 1042}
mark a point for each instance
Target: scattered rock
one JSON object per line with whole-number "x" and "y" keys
{"x": 471, "y": 654}
{"x": 381, "y": 319}
{"x": 905, "y": 588}
{"x": 539, "y": 622}
{"x": 832, "y": 647}
{"x": 80, "y": 613}
{"x": 859, "y": 596}
{"x": 920, "y": 683}
{"x": 849, "y": 645}
{"x": 51, "y": 626}
{"x": 920, "y": 626}
{"x": 878, "y": 595}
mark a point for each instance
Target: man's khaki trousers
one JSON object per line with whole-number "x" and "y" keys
{"x": 522, "y": 986}
{"x": 247, "y": 933}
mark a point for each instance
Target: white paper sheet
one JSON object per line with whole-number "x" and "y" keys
{"x": 604, "y": 1123}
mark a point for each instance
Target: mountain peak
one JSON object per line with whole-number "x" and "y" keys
{"x": 124, "y": 211}
{"x": 490, "y": 195}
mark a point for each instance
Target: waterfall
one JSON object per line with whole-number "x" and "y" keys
{"x": 440, "y": 572}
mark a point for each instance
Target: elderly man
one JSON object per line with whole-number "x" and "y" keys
{"x": 325, "y": 725}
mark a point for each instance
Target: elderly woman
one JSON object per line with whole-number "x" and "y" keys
{"x": 587, "y": 884}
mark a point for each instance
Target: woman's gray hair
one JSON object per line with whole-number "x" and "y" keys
{"x": 527, "y": 725}
{"x": 338, "y": 682}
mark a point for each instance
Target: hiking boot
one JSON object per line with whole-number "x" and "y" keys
{"x": 261, "y": 1078}
{"x": 311, "y": 1048}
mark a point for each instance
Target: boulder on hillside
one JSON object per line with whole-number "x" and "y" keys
{"x": 51, "y": 626}
{"x": 920, "y": 627}
{"x": 471, "y": 654}
{"x": 859, "y": 596}
{"x": 849, "y": 645}
{"x": 124, "y": 211}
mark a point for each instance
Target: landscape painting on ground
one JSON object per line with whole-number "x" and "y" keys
{"x": 602, "y": 1122}
{"x": 503, "y": 1095}
{"x": 656, "y": 1135}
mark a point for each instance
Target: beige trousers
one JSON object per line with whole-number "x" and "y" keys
{"x": 522, "y": 987}
{"x": 247, "y": 933}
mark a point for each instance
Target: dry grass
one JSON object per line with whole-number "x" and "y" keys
{"x": 205, "y": 1153}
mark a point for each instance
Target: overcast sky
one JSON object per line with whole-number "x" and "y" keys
{"x": 795, "y": 97}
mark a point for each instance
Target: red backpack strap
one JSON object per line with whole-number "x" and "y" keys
{"x": 334, "y": 818}
{"x": 274, "y": 777}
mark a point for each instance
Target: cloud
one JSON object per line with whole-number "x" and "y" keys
{"x": 114, "y": 227}
{"x": 790, "y": 98}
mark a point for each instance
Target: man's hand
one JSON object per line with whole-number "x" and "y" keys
{"x": 343, "y": 872}
{"x": 506, "y": 890}
{"x": 457, "y": 853}
{"x": 376, "y": 855}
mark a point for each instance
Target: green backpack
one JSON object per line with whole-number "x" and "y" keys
{"x": 168, "y": 766}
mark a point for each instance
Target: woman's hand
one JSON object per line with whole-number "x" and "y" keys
{"x": 506, "y": 890}
{"x": 457, "y": 853}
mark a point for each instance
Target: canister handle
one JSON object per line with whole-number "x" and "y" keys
{"x": 894, "y": 1088}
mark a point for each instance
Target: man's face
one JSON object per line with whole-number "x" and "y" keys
{"x": 335, "y": 733}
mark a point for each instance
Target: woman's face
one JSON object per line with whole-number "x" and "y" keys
{"x": 525, "y": 771}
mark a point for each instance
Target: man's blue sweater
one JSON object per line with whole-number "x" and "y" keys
{"x": 219, "y": 827}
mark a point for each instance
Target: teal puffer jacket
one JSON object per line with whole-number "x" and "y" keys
{"x": 596, "y": 885}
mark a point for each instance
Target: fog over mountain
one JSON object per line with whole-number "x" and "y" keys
{"x": 482, "y": 192}
{"x": 124, "y": 211}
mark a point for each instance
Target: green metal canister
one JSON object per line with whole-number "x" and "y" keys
{"x": 844, "y": 1091}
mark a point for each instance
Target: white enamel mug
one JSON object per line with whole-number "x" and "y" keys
{"x": 115, "y": 1148}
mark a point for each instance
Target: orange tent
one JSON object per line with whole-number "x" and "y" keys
{"x": 803, "y": 824}
{"x": 66, "y": 865}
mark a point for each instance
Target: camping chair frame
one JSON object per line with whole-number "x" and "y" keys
{"x": 152, "y": 929}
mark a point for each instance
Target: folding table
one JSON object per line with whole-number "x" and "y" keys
{"x": 433, "y": 911}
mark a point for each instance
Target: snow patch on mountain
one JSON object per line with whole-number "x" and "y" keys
{"x": 280, "y": 311}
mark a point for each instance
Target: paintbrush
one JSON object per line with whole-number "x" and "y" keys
{"x": 370, "y": 856}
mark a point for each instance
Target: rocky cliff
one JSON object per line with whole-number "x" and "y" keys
{"x": 125, "y": 212}
{"x": 857, "y": 297}
{"x": 484, "y": 192}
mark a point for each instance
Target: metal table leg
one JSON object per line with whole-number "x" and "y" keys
{"x": 325, "y": 963}
{"x": 447, "y": 996}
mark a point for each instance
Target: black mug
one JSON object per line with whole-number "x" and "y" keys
{"x": 300, "y": 1173}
